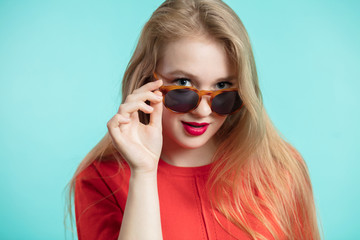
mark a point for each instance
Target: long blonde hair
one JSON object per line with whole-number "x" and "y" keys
{"x": 255, "y": 170}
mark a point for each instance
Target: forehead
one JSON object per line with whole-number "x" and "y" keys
{"x": 204, "y": 58}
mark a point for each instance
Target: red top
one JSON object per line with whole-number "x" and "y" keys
{"x": 184, "y": 206}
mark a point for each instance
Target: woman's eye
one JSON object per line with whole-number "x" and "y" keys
{"x": 223, "y": 85}
{"x": 182, "y": 82}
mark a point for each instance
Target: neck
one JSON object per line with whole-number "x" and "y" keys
{"x": 185, "y": 157}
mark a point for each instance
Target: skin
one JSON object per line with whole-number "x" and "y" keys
{"x": 204, "y": 62}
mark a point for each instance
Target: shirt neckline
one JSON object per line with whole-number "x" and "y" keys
{"x": 167, "y": 168}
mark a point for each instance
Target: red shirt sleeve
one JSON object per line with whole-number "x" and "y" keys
{"x": 98, "y": 215}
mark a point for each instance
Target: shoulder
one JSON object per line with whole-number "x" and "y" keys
{"x": 104, "y": 176}
{"x": 100, "y": 197}
{"x": 105, "y": 167}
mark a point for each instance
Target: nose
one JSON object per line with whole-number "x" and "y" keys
{"x": 203, "y": 109}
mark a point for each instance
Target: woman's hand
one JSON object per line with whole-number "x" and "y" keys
{"x": 139, "y": 144}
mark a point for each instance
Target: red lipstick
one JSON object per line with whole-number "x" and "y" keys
{"x": 194, "y": 128}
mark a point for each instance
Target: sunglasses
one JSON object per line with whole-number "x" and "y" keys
{"x": 183, "y": 99}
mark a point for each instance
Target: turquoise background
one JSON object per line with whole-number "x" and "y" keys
{"x": 61, "y": 64}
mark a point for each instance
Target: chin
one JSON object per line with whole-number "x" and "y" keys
{"x": 189, "y": 145}
{"x": 190, "y": 142}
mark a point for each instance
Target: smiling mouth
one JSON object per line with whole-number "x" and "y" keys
{"x": 196, "y": 125}
{"x": 194, "y": 128}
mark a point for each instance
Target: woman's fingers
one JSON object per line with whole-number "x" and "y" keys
{"x": 136, "y": 100}
{"x": 151, "y": 86}
{"x": 125, "y": 128}
{"x": 127, "y": 109}
{"x": 116, "y": 120}
{"x": 114, "y": 123}
{"x": 143, "y": 96}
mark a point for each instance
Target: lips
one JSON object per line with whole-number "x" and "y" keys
{"x": 194, "y": 128}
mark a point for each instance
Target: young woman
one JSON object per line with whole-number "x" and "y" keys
{"x": 191, "y": 152}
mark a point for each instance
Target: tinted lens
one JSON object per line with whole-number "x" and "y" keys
{"x": 181, "y": 100}
{"x": 226, "y": 103}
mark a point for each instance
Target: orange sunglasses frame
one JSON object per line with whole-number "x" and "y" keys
{"x": 200, "y": 93}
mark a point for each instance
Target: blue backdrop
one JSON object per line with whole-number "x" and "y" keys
{"x": 61, "y": 63}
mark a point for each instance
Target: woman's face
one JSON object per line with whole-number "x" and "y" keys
{"x": 200, "y": 62}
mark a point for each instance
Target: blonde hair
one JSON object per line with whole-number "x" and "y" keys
{"x": 255, "y": 170}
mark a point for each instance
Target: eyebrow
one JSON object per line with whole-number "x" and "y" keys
{"x": 194, "y": 78}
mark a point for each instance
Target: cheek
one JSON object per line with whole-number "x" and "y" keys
{"x": 165, "y": 115}
{"x": 219, "y": 120}
{"x": 168, "y": 117}
{"x": 218, "y": 123}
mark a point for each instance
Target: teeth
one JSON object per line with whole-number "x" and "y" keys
{"x": 195, "y": 126}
